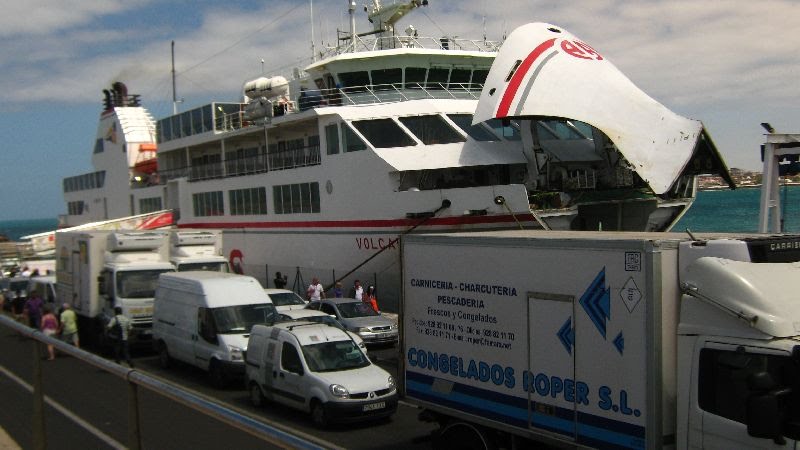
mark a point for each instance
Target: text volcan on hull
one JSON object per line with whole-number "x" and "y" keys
{"x": 391, "y": 131}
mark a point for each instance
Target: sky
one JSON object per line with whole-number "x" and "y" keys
{"x": 730, "y": 63}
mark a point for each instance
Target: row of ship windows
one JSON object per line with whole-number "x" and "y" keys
{"x": 94, "y": 180}
{"x": 287, "y": 199}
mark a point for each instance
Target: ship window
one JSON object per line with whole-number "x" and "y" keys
{"x": 176, "y": 126}
{"x": 479, "y": 76}
{"x": 354, "y": 81}
{"x": 437, "y": 78}
{"x": 431, "y": 129}
{"x": 383, "y": 133}
{"x": 477, "y": 131}
{"x": 296, "y": 198}
{"x": 386, "y": 78}
{"x": 165, "y": 130}
{"x": 558, "y": 129}
{"x": 208, "y": 118}
{"x": 509, "y": 132}
{"x": 148, "y": 205}
{"x": 248, "y": 201}
{"x": 98, "y": 146}
{"x": 332, "y": 138}
{"x": 459, "y": 78}
{"x": 75, "y": 208}
{"x": 352, "y": 142}
{"x": 415, "y": 77}
{"x": 208, "y": 204}
{"x": 186, "y": 122}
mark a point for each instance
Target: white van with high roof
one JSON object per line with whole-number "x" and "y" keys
{"x": 319, "y": 369}
{"x": 204, "y": 319}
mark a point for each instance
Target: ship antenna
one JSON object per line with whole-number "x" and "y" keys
{"x": 311, "y": 13}
{"x": 175, "y": 100}
{"x": 352, "y": 10}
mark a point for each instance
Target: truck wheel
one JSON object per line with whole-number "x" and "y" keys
{"x": 318, "y": 414}
{"x": 463, "y": 435}
{"x": 217, "y": 375}
{"x": 164, "y": 360}
{"x": 256, "y": 395}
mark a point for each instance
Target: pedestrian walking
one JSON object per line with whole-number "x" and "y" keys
{"x": 69, "y": 325}
{"x": 119, "y": 328}
{"x": 357, "y": 292}
{"x": 49, "y": 328}
{"x": 371, "y": 299}
{"x": 33, "y": 310}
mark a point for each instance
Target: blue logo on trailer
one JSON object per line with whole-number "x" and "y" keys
{"x": 619, "y": 343}
{"x": 596, "y": 301}
{"x": 566, "y": 334}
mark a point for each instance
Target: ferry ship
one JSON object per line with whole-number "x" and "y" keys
{"x": 317, "y": 172}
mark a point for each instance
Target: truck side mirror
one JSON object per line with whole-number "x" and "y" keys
{"x": 764, "y": 413}
{"x": 764, "y": 417}
{"x": 101, "y": 285}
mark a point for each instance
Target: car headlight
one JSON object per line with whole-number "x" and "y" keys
{"x": 236, "y": 353}
{"x": 394, "y": 326}
{"x": 339, "y": 391}
{"x": 391, "y": 382}
{"x": 362, "y": 330}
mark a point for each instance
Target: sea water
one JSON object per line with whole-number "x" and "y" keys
{"x": 734, "y": 211}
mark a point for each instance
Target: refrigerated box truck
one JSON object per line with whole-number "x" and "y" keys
{"x": 101, "y": 269}
{"x": 603, "y": 340}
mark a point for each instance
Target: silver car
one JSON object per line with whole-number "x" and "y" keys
{"x": 360, "y": 318}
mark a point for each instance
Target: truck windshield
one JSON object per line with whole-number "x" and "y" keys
{"x": 206, "y": 266}
{"x": 286, "y": 298}
{"x": 138, "y": 283}
{"x": 333, "y": 356}
{"x": 241, "y": 318}
{"x": 356, "y": 309}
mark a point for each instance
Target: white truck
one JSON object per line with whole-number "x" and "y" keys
{"x": 603, "y": 340}
{"x": 98, "y": 270}
{"x": 197, "y": 250}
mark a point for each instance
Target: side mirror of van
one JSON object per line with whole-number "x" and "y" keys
{"x": 764, "y": 411}
{"x": 101, "y": 285}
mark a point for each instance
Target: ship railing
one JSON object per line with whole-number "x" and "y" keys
{"x": 228, "y": 117}
{"x": 288, "y": 158}
{"x": 387, "y": 93}
{"x": 373, "y": 43}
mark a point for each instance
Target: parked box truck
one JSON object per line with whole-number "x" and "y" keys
{"x": 197, "y": 250}
{"x": 603, "y": 340}
{"x": 98, "y": 270}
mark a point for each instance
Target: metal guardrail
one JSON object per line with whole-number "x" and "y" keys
{"x": 136, "y": 378}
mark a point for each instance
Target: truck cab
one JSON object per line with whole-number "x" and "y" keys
{"x": 739, "y": 354}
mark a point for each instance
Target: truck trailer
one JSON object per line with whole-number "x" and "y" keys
{"x": 99, "y": 270}
{"x": 603, "y": 340}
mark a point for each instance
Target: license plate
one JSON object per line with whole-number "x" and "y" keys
{"x": 374, "y": 406}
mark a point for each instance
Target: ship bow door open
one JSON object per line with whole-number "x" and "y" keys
{"x": 549, "y": 379}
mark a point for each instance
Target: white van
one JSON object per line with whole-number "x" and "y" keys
{"x": 319, "y": 369}
{"x": 204, "y": 319}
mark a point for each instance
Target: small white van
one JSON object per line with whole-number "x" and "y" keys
{"x": 204, "y": 319}
{"x": 319, "y": 369}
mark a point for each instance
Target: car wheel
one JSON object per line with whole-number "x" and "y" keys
{"x": 217, "y": 375}
{"x": 318, "y": 414}
{"x": 164, "y": 360}
{"x": 256, "y": 395}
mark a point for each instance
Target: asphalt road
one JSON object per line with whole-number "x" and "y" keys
{"x": 80, "y": 393}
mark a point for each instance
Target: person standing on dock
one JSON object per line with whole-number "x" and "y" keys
{"x": 33, "y": 310}
{"x": 69, "y": 326}
{"x": 121, "y": 348}
{"x": 315, "y": 291}
{"x": 280, "y": 280}
{"x": 358, "y": 291}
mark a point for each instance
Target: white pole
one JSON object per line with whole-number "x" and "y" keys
{"x": 311, "y": 12}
